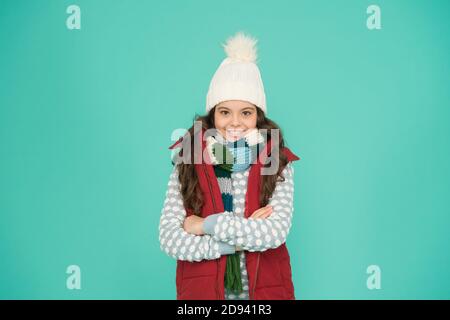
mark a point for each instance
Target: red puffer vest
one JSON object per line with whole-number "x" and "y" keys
{"x": 269, "y": 272}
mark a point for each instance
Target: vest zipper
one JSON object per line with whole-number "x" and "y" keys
{"x": 215, "y": 209}
{"x": 256, "y": 276}
{"x": 210, "y": 188}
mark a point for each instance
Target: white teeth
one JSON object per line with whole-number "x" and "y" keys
{"x": 235, "y": 133}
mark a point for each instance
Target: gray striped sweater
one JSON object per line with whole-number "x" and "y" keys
{"x": 228, "y": 230}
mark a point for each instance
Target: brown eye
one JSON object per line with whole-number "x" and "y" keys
{"x": 247, "y": 113}
{"x": 222, "y": 112}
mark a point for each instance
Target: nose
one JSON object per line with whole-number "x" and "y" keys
{"x": 235, "y": 121}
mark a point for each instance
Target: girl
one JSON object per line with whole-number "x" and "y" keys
{"x": 225, "y": 219}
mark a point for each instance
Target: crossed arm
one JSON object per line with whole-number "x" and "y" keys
{"x": 196, "y": 239}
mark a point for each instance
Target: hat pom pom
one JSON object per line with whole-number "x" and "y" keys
{"x": 241, "y": 47}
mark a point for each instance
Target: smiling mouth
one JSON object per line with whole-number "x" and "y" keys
{"x": 234, "y": 135}
{"x": 235, "y": 132}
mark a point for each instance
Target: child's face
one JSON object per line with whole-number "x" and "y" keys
{"x": 234, "y": 118}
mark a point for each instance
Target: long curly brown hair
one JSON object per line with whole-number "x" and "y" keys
{"x": 190, "y": 187}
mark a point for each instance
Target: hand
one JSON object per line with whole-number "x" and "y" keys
{"x": 194, "y": 225}
{"x": 262, "y": 213}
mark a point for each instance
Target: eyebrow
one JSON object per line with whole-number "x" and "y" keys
{"x": 246, "y": 108}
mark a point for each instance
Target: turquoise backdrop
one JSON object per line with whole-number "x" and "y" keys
{"x": 86, "y": 117}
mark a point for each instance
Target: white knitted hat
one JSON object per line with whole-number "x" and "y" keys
{"x": 238, "y": 76}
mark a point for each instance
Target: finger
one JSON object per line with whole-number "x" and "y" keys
{"x": 259, "y": 212}
{"x": 265, "y": 215}
{"x": 263, "y": 212}
{"x": 255, "y": 214}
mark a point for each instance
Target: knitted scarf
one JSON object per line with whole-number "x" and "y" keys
{"x": 228, "y": 157}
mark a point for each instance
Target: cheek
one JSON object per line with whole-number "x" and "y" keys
{"x": 219, "y": 121}
{"x": 251, "y": 122}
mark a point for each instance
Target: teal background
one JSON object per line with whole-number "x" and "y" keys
{"x": 86, "y": 117}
